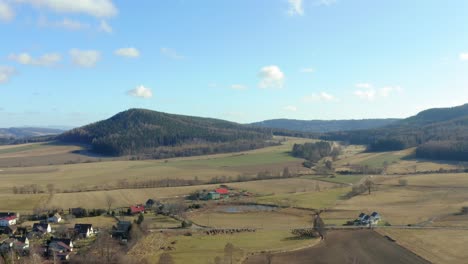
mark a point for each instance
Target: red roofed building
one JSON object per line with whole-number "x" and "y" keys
{"x": 137, "y": 209}
{"x": 222, "y": 191}
{"x": 8, "y": 220}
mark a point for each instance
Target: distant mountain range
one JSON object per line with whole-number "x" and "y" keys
{"x": 25, "y": 132}
{"x": 323, "y": 126}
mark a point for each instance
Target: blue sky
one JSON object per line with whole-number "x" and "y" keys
{"x": 73, "y": 62}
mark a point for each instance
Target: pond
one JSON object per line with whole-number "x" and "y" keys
{"x": 245, "y": 208}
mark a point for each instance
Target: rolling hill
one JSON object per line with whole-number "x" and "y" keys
{"x": 439, "y": 133}
{"x": 23, "y": 132}
{"x": 161, "y": 135}
{"x": 323, "y": 126}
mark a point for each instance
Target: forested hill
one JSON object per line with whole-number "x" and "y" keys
{"x": 323, "y": 126}
{"x": 439, "y": 133}
{"x": 161, "y": 135}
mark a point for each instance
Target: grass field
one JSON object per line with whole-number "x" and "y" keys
{"x": 345, "y": 179}
{"x": 201, "y": 249}
{"x": 83, "y": 175}
{"x": 312, "y": 200}
{"x": 437, "y": 246}
{"x": 280, "y": 219}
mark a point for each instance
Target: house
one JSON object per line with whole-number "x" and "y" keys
{"x": 21, "y": 243}
{"x": 375, "y": 218}
{"x": 67, "y": 242}
{"x": 222, "y": 191}
{"x": 84, "y": 230}
{"x": 42, "y": 228}
{"x": 60, "y": 248}
{"x": 122, "y": 230}
{"x": 8, "y": 220}
{"x": 56, "y": 218}
{"x": 17, "y": 243}
{"x": 150, "y": 203}
{"x": 365, "y": 220}
{"x": 213, "y": 196}
{"x": 137, "y": 209}
{"x": 8, "y": 230}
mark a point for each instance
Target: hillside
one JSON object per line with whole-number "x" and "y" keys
{"x": 439, "y": 133}
{"x": 23, "y": 132}
{"x": 160, "y": 135}
{"x": 323, "y": 126}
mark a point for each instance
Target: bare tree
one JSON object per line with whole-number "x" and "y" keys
{"x": 369, "y": 184}
{"x": 228, "y": 253}
{"x": 109, "y": 201}
{"x": 319, "y": 225}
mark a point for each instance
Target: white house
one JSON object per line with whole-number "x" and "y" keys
{"x": 84, "y": 230}
{"x": 8, "y": 220}
{"x": 56, "y": 218}
{"x": 43, "y": 228}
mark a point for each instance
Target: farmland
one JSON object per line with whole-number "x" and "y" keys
{"x": 401, "y": 197}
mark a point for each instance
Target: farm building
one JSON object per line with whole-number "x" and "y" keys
{"x": 365, "y": 219}
{"x": 213, "y": 196}
{"x": 222, "y": 191}
{"x": 84, "y": 230}
{"x": 122, "y": 229}
{"x": 137, "y": 209}
{"x": 42, "y": 228}
{"x": 56, "y": 218}
{"x": 8, "y": 220}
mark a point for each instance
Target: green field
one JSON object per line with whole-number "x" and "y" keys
{"x": 20, "y": 148}
{"x": 345, "y": 179}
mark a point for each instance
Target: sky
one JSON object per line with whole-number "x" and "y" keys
{"x": 73, "y": 62}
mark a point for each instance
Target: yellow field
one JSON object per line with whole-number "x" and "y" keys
{"x": 437, "y": 246}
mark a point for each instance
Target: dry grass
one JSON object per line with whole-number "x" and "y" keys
{"x": 279, "y": 219}
{"x": 437, "y": 246}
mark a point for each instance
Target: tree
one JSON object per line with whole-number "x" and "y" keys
{"x": 369, "y": 184}
{"x": 109, "y": 200}
{"x": 165, "y": 258}
{"x": 228, "y": 253}
{"x": 319, "y": 225}
{"x": 140, "y": 219}
{"x": 286, "y": 173}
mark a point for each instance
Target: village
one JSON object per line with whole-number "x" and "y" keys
{"x": 61, "y": 235}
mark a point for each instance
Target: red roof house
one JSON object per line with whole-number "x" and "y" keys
{"x": 137, "y": 209}
{"x": 222, "y": 191}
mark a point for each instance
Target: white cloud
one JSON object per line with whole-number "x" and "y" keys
{"x": 49, "y": 59}
{"x": 6, "y": 73}
{"x": 96, "y": 8}
{"x": 290, "y": 108}
{"x": 322, "y": 96}
{"x": 464, "y": 56}
{"x": 85, "y": 58}
{"x": 141, "y": 91}
{"x": 325, "y": 2}
{"x": 366, "y": 91}
{"x": 171, "y": 53}
{"x": 368, "y": 94}
{"x": 271, "y": 77}
{"x": 128, "y": 52}
{"x": 105, "y": 27}
{"x": 295, "y": 7}
{"x": 363, "y": 85}
{"x": 239, "y": 87}
{"x": 6, "y": 13}
{"x": 66, "y": 23}
{"x": 307, "y": 70}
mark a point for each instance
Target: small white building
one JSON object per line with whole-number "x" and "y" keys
{"x": 56, "y": 218}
